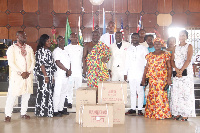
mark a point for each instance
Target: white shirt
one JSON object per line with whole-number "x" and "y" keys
{"x": 135, "y": 61}
{"x": 108, "y": 39}
{"x": 63, "y": 56}
{"x": 76, "y": 55}
{"x": 144, "y": 44}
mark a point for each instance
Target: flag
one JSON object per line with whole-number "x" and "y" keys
{"x": 115, "y": 30}
{"x": 122, "y": 29}
{"x": 104, "y": 25}
{"x": 67, "y": 32}
{"x": 80, "y": 37}
{"x": 93, "y": 24}
{"x": 139, "y": 24}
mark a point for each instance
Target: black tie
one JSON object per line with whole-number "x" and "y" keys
{"x": 119, "y": 45}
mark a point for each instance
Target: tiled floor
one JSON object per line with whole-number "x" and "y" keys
{"x": 66, "y": 124}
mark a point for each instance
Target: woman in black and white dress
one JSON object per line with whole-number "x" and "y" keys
{"x": 44, "y": 69}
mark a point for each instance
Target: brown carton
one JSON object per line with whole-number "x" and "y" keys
{"x": 97, "y": 115}
{"x": 118, "y": 113}
{"x": 112, "y": 92}
{"x": 84, "y": 95}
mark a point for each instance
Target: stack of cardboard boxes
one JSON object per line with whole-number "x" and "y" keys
{"x": 110, "y": 108}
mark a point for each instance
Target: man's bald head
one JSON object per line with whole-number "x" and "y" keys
{"x": 21, "y": 37}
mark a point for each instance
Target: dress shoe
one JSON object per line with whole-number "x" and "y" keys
{"x": 131, "y": 112}
{"x": 140, "y": 113}
{"x": 7, "y": 119}
{"x": 25, "y": 116}
{"x": 57, "y": 114}
{"x": 69, "y": 105}
{"x": 64, "y": 112}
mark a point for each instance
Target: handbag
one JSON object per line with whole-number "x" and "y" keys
{"x": 183, "y": 74}
{"x": 166, "y": 87}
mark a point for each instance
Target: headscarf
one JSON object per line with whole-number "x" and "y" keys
{"x": 158, "y": 40}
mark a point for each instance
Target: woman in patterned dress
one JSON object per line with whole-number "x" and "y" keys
{"x": 158, "y": 70}
{"x": 182, "y": 94}
{"x": 44, "y": 69}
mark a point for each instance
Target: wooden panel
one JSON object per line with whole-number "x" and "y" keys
{"x": 59, "y": 20}
{"x": 33, "y": 45}
{"x": 60, "y": 31}
{"x": 133, "y": 19}
{"x": 180, "y": 6}
{"x": 15, "y": 5}
{"x": 32, "y": 34}
{"x": 45, "y": 20}
{"x": 120, "y": 6}
{"x": 108, "y": 17}
{"x": 194, "y": 19}
{"x": 13, "y": 31}
{"x": 118, "y": 18}
{"x": 149, "y": 20}
{"x": 75, "y": 6}
{"x": 149, "y": 30}
{"x": 60, "y": 6}
{"x": 132, "y": 30}
{"x": 164, "y": 19}
{"x": 179, "y": 20}
{"x": 88, "y": 7}
{"x": 135, "y": 6}
{"x": 4, "y": 19}
{"x": 45, "y": 6}
{"x": 108, "y": 5}
{"x": 149, "y": 6}
{"x": 3, "y": 33}
{"x": 194, "y": 5}
{"x": 87, "y": 34}
{"x": 45, "y": 31}
{"x": 30, "y": 5}
{"x": 30, "y": 20}
{"x": 15, "y": 19}
{"x": 88, "y": 20}
{"x": 164, "y": 6}
{"x": 3, "y": 5}
{"x": 73, "y": 20}
{"x": 163, "y": 31}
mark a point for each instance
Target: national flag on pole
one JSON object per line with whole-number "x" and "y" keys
{"x": 115, "y": 30}
{"x": 67, "y": 32}
{"x": 122, "y": 29}
{"x": 139, "y": 24}
{"x": 93, "y": 24}
{"x": 80, "y": 37}
{"x": 104, "y": 25}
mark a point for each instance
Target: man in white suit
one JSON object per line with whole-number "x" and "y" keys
{"x": 117, "y": 62}
{"x": 134, "y": 69}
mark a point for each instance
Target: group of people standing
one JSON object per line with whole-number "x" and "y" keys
{"x": 107, "y": 58}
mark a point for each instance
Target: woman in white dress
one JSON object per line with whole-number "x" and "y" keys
{"x": 182, "y": 93}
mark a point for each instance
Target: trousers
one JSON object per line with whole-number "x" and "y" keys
{"x": 135, "y": 88}
{"x": 10, "y": 103}
{"x": 61, "y": 90}
{"x": 117, "y": 74}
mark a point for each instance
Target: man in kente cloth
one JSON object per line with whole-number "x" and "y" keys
{"x": 95, "y": 57}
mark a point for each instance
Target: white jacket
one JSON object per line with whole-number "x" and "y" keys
{"x": 118, "y": 56}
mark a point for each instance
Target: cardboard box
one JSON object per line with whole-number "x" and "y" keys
{"x": 112, "y": 92}
{"x": 97, "y": 115}
{"x": 84, "y": 95}
{"x": 118, "y": 113}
